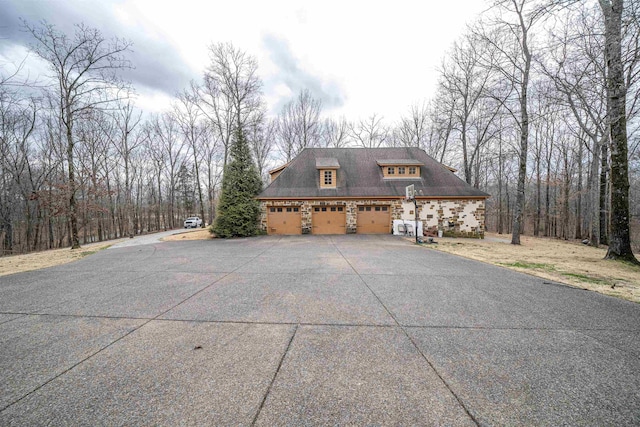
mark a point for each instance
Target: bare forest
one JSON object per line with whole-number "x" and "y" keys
{"x": 523, "y": 111}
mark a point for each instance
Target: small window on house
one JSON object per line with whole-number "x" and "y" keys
{"x": 384, "y": 209}
{"x": 328, "y": 177}
{"x": 361, "y": 208}
{"x": 289, "y": 210}
{"x": 324, "y": 209}
{"x": 412, "y": 170}
{"x": 333, "y": 209}
{"x": 295, "y": 209}
{"x": 368, "y": 208}
{"x": 340, "y": 209}
{"x": 316, "y": 209}
{"x": 377, "y": 208}
{"x": 401, "y": 170}
{"x": 279, "y": 209}
{"x": 391, "y": 171}
{"x": 272, "y": 209}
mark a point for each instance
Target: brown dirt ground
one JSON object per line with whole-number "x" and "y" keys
{"x": 37, "y": 260}
{"x": 194, "y": 234}
{"x": 568, "y": 262}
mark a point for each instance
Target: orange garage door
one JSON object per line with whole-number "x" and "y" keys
{"x": 373, "y": 220}
{"x": 329, "y": 220}
{"x": 284, "y": 220}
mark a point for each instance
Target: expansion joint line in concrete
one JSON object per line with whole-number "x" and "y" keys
{"x": 404, "y": 331}
{"x": 273, "y": 380}
{"x": 125, "y": 335}
{"x": 75, "y": 365}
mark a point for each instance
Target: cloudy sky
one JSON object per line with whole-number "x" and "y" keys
{"x": 359, "y": 57}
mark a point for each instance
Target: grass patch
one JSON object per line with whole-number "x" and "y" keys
{"x": 94, "y": 251}
{"x": 533, "y": 265}
{"x": 587, "y": 279}
{"x": 627, "y": 263}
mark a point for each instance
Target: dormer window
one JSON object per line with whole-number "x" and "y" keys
{"x": 400, "y": 168}
{"x": 328, "y": 178}
{"x": 328, "y": 168}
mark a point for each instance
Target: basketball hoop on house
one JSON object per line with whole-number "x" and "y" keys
{"x": 410, "y": 192}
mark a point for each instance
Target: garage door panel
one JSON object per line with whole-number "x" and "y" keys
{"x": 284, "y": 220}
{"x": 373, "y": 220}
{"x": 329, "y": 220}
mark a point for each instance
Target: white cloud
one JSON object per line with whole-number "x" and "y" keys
{"x": 378, "y": 56}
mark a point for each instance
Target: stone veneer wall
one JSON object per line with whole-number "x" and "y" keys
{"x": 464, "y": 217}
{"x": 459, "y": 217}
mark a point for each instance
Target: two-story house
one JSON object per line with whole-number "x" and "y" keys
{"x": 361, "y": 190}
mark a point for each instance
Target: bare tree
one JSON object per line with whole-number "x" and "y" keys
{"x": 370, "y": 133}
{"x": 466, "y": 75}
{"x": 299, "y": 125}
{"x": 18, "y": 165}
{"x": 413, "y": 130}
{"x": 620, "y": 241}
{"x": 154, "y": 152}
{"x": 85, "y": 67}
{"x": 188, "y": 117}
{"x": 166, "y": 134}
{"x": 575, "y": 65}
{"x": 441, "y": 115}
{"x": 9, "y": 107}
{"x": 261, "y": 136}
{"x": 232, "y": 92}
{"x": 96, "y": 151}
{"x": 126, "y": 141}
{"x": 335, "y": 133}
{"x": 513, "y": 60}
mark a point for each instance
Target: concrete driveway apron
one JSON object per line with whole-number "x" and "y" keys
{"x": 309, "y": 330}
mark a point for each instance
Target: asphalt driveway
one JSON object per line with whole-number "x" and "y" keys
{"x": 309, "y": 330}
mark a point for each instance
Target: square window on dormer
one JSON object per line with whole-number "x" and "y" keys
{"x": 391, "y": 171}
{"x": 412, "y": 170}
{"x": 328, "y": 177}
{"x": 401, "y": 170}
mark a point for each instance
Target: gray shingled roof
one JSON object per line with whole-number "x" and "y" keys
{"x": 361, "y": 176}
{"x": 391, "y": 162}
{"x": 327, "y": 163}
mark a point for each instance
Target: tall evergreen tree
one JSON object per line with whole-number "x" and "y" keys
{"x": 238, "y": 210}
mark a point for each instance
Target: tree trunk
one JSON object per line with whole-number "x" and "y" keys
{"x": 518, "y": 212}
{"x": 199, "y": 187}
{"x": 500, "y": 223}
{"x": 547, "y": 201}
{"x": 73, "y": 215}
{"x": 604, "y": 226}
{"x": 594, "y": 217}
{"x": 620, "y": 236}
{"x": 565, "y": 199}
{"x": 579, "y": 193}
{"x": 536, "y": 220}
